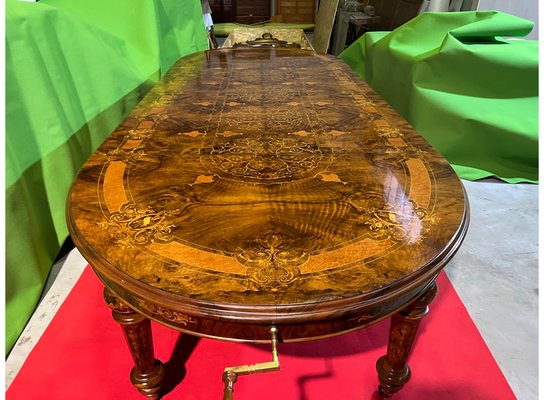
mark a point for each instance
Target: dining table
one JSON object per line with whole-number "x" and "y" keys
{"x": 266, "y": 195}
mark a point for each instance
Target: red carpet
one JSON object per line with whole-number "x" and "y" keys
{"x": 82, "y": 355}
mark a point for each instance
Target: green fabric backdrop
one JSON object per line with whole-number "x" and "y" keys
{"x": 73, "y": 71}
{"x": 467, "y": 90}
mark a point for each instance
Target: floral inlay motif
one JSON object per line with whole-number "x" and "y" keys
{"x": 395, "y": 153}
{"x": 163, "y": 101}
{"x": 284, "y": 119}
{"x": 132, "y": 226}
{"x": 401, "y": 220}
{"x": 389, "y": 132}
{"x": 174, "y": 316}
{"x": 272, "y": 262}
{"x": 126, "y": 156}
{"x": 161, "y": 116}
{"x": 266, "y": 158}
{"x": 140, "y": 134}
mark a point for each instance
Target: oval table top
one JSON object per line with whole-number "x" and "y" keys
{"x": 266, "y": 186}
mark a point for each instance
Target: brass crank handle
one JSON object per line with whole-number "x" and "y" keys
{"x": 230, "y": 374}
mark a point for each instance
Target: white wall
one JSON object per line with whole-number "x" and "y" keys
{"x": 522, "y": 8}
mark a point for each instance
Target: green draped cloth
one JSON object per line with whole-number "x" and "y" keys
{"x": 463, "y": 85}
{"x": 74, "y": 69}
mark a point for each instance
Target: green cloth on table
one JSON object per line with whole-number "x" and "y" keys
{"x": 470, "y": 92}
{"x": 74, "y": 70}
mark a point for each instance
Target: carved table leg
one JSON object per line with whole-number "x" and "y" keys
{"x": 148, "y": 373}
{"x": 393, "y": 372}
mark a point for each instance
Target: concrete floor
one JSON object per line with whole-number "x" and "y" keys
{"x": 495, "y": 273}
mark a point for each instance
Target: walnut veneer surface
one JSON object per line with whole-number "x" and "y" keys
{"x": 259, "y": 187}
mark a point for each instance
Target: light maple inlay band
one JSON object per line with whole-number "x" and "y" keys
{"x": 113, "y": 187}
{"x": 420, "y": 182}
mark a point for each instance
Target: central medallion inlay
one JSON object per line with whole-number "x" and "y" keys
{"x": 265, "y": 158}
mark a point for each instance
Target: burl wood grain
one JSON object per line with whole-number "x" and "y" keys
{"x": 266, "y": 187}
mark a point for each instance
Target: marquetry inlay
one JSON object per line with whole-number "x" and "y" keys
{"x": 246, "y": 173}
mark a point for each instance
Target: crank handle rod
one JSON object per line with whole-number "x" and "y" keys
{"x": 230, "y": 374}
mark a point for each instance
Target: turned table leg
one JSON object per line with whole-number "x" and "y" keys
{"x": 148, "y": 373}
{"x": 393, "y": 372}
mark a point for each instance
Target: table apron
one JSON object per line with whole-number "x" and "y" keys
{"x": 307, "y": 328}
